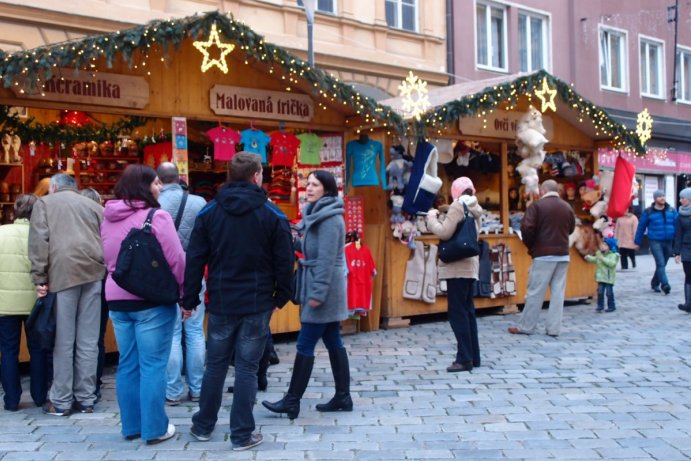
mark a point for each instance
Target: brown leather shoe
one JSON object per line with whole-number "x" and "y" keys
{"x": 457, "y": 367}
{"x": 516, "y": 331}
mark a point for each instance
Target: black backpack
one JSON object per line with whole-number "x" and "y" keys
{"x": 142, "y": 269}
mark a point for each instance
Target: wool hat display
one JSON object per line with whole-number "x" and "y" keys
{"x": 460, "y": 185}
{"x": 685, "y": 193}
{"x": 658, "y": 193}
{"x": 612, "y": 243}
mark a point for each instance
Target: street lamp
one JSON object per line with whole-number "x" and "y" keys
{"x": 310, "y": 7}
{"x": 672, "y": 16}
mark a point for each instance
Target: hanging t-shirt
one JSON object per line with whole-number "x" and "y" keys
{"x": 255, "y": 141}
{"x": 224, "y": 140}
{"x": 364, "y": 157}
{"x": 332, "y": 149}
{"x": 155, "y": 154}
{"x": 310, "y": 146}
{"x": 361, "y": 269}
{"x": 284, "y": 148}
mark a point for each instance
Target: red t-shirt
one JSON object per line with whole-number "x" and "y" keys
{"x": 284, "y": 148}
{"x": 224, "y": 140}
{"x": 361, "y": 269}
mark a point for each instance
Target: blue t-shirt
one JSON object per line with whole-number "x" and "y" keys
{"x": 364, "y": 160}
{"x": 255, "y": 141}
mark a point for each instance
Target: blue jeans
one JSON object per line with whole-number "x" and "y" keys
{"x": 10, "y": 337}
{"x": 605, "y": 289}
{"x": 195, "y": 350}
{"x": 310, "y": 333}
{"x": 246, "y": 336}
{"x": 144, "y": 339}
{"x": 661, "y": 251}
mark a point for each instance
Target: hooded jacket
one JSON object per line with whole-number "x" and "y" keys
{"x": 246, "y": 242}
{"x": 606, "y": 266}
{"x": 659, "y": 223}
{"x": 17, "y": 294}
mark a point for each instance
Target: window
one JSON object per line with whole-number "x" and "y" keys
{"x": 490, "y": 36}
{"x": 402, "y": 14}
{"x": 652, "y": 79}
{"x": 684, "y": 75}
{"x": 325, "y": 6}
{"x": 532, "y": 42}
{"x": 613, "y": 74}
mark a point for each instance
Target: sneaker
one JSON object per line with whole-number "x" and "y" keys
{"x": 173, "y": 402}
{"x": 253, "y": 441}
{"x": 666, "y": 289}
{"x": 168, "y": 435}
{"x": 193, "y": 398}
{"x": 655, "y": 289}
{"x": 197, "y": 434}
{"x": 50, "y": 409}
{"x": 81, "y": 408}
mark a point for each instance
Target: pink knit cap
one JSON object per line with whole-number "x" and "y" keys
{"x": 460, "y": 185}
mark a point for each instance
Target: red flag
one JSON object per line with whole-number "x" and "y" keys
{"x": 620, "y": 198}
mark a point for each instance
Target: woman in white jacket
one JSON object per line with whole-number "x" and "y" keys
{"x": 460, "y": 275}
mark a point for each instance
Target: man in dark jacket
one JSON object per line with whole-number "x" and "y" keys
{"x": 246, "y": 242}
{"x": 545, "y": 229}
{"x": 660, "y": 220}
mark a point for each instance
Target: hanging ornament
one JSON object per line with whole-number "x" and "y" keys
{"x": 215, "y": 41}
{"x": 644, "y": 126}
{"x": 414, "y": 95}
{"x": 546, "y": 96}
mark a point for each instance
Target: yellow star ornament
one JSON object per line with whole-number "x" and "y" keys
{"x": 215, "y": 41}
{"x": 546, "y": 95}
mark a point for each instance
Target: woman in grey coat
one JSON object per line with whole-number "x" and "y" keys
{"x": 681, "y": 246}
{"x": 321, "y": 291}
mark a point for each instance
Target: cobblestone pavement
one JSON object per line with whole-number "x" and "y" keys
{"x": 612, "y": 386}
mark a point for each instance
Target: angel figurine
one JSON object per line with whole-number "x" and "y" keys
{"x": 16, "y": 147}
{"x": 6, "y": 146}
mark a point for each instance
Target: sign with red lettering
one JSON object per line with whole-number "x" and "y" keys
{"x": 98, "y": 88}
{"x": 253, "y": 103}
{"x": 499, "y": 124}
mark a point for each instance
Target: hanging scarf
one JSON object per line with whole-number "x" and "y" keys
{"x": 685, "y": 210}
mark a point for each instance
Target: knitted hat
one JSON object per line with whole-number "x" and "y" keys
{"x": 613, "y": 244}
{"x": 685, "y": 193}
{"x": 460, "y": 185}
{"x": 658, "y": 193}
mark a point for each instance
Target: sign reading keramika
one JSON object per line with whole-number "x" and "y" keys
{"x": 253, "y": 103}
{"x": 91, "y": 88}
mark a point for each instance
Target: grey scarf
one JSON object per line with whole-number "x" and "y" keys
{"x": 685, "y": 210}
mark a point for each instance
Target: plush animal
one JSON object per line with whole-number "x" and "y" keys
{"x": 590, "y": 194}
{"x": 605, "y": 226}
{"x": 530, "y": 140}
{"x": 398, "y": 169}
{"x": 16, "y": 147}
{"x": 396, "y": 210}
{"x": 605, "y": 181}
{"x": 585, "y": 239}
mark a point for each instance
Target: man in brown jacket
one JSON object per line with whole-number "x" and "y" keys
{"x": 67, "y": 259}
{"x": 545, "y": 230}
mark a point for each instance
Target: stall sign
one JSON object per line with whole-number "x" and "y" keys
{"x": 180, "y": 146}
{"x": 68, "y": 85}
{"x": 499, "y": 124}
{"x": 657, "y": 160}
{"x": 253, "y": 103}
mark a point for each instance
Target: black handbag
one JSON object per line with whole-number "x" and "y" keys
{"x": 463, "y": 243}
{"x": 40, "y": 325}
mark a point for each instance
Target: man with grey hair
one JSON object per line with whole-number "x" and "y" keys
{"x": 545, "y": 229}
{"x": 183, "y": 207}
{"x": 67, "y": 259}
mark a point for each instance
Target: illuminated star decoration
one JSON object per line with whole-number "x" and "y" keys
{"x": 644, "y": 126}
{"x": 214, "y": 40}
{"x": 546, "y": 95}
{"x": 414, "y": 95}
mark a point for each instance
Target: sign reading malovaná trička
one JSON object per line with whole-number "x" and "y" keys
{"x": 254, "y": 103}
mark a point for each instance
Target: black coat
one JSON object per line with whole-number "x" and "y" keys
{"x": 246, "y": 242}
{"x": 682, "y": 238}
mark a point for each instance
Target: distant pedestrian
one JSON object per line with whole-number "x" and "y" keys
{"x": 659, "y": 220}
{"x": 606, "y": 259}
{"x": 545, "y": 228}
{"x": 682, "y": 244}
{"x": 625, "y": 232}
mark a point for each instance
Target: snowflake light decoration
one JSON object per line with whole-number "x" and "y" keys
{"x": 546, "y": 95}
{"x": 214, "y": 41}
{"x": 644, "y": 126}
{"x": 414, "y": 95}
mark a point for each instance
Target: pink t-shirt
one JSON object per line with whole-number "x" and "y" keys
{"x": 224, "y": 140}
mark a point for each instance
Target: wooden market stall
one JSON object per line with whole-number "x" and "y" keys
{"x": 144, "y": 83}
{"x": 478, "y": 120}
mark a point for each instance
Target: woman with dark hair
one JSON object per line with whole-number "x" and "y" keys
{"x": 143, "y": 329}
{"x": 17, "y": 298}
{"x": 321, "y": 289}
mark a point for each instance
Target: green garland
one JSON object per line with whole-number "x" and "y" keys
{"x": 492, "y": 97}
{"x": 23, "y": 67}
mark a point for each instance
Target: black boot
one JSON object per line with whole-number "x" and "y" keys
{"x": 687, "y": 294}
{"x": 290, "y": 404}
{"x": 341, "y": 371}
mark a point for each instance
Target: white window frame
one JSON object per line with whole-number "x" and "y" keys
{"x": 488, "y": 22}
{"x": 399, "y": 15}
{"x": 546, "y": 38}
{"x": 680, "y": 84}
{"x": 646, "y": 40}
{"x": 625, "y": 59}
{"x": 317, "y": 10}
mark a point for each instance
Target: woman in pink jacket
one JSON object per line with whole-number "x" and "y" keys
{"x": 144, "y": 330}
{"x": 624, "y": 232}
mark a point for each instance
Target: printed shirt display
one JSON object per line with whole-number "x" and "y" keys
{"x": 310, "y": 146}
{"x": 361, "y": 269}
{"x": 332, "y": 149}
{"x": 155, "y": 154}
{"x": 284, "y": 148}
{"x": 224, "y": 140}
{"x": 255, "y": 141}
{"x": 364, "y": 159}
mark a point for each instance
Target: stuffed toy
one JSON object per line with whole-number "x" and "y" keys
{"x": 398, "y": 169}
{"x": 604, "y": 180}
{"x": 6, "y": 146}
{"x": 585, "y": 239}
{"x": 530, "y": 140}
{"x": 605, "y": 226}
{"x": 396, "y": 211}
{"x": 16, "y": 147}
{"x": 590, "y": 193}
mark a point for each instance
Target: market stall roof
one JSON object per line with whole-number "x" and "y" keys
{"x": 29, "y": 68}
{"x": 467, "y": 99}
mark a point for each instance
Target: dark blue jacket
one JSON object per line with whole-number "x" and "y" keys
{"x": 682, "y": 239}
{"x": 246, "y": 242}
{"x": 660, "y": 224}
